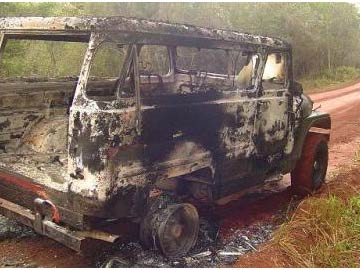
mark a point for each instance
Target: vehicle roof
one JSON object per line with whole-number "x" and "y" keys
{"x": 85, "y": 25}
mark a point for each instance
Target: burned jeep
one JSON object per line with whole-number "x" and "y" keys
{"x": 159, "y": 116}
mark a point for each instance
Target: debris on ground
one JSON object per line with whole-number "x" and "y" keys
{"x": 210, "y": 251}
{"x": 11, "y": 229}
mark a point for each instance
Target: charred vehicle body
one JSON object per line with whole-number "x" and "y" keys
{"x": 177, "y": 114}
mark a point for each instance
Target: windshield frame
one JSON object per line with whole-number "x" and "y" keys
{"x": 95, "y": 41}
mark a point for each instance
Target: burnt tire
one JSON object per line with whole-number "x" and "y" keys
{"x": 173, "y": 230}
{"x": 310, "y": 171}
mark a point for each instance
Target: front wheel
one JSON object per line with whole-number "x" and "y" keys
{"x": 310, "y": 171}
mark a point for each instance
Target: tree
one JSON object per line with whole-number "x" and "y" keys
{"x": 324, "y": 36}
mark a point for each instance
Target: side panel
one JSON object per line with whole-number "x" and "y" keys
{"x": 185, "y": 127}
{"x": 180, "y": 134}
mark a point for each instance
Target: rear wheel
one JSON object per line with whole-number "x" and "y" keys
{"x": 310, "y": 171}
{"x": 173, "y": 230}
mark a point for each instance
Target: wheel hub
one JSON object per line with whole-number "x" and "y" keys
{"x": 176, "y": 230}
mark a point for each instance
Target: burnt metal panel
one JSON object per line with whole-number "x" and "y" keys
{"x": 135, "y": 26}
{"x": 76, "y": 240}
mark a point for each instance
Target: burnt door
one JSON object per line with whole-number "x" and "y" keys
{"x": 272, "y": 109}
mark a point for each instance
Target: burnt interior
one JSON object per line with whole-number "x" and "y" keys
{"x": 34, "y": 125}
{"x": 169, "y": 70}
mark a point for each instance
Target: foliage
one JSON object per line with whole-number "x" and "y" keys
{"x": 325, "y": 232}
{"x": 42, "y": 58}
{"x": 329, "y": 78}
{"x": 324, "y": 35}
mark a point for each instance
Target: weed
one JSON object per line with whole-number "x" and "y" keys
{"x": 325, "y": 233}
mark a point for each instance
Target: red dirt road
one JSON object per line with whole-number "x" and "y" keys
{"x": 342, "y": 104}
{"x": 344, "y": 107}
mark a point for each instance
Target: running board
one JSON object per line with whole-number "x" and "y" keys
{"x": 75, "y": 240}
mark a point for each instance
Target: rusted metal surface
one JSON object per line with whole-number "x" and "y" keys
{"x": 189, "y": 131}
{"x": 45, "y": 227}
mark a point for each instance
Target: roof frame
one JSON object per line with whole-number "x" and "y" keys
{"x": 136, "y": 27}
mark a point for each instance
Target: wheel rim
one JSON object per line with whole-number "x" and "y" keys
{"x": 320, "y": 166}
{"x": 178, "y": 232}
{"x": 116, "y": 262}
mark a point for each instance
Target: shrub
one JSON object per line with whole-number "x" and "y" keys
{"x": 329, "y": 78}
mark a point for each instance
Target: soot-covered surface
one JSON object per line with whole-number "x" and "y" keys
{"x": 210, "y": 251}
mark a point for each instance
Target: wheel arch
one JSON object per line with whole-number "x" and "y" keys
{"x": 318, "y": 123}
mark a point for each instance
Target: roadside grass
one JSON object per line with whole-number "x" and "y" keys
{"x": 329, "y": 80}
{"x": 357, "y": 156}
{"x": 324, "y": 231}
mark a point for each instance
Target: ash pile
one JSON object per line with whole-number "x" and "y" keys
{"x": 210, "y": 251}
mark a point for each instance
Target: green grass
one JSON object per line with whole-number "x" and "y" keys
{"x": 324, "y": 232}
{"x": 328, "y": 79}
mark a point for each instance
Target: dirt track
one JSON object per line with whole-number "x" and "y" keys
{"x": 20, "y": 247}
{"x": 343, "y": 105}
